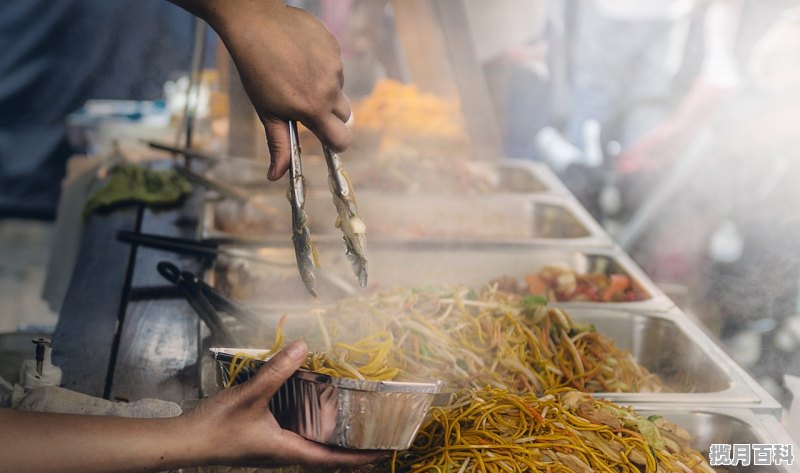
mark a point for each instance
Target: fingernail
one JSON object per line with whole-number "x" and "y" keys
{"x": 297, "y": 350}
{"x": 271, "y": 171}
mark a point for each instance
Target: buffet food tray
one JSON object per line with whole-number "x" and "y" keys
{"x": 718, "y": 425}
{"x": 515, "y": 218}
{"x": 697, "y": 371}
{"x": 508, "y": 175}
{"x": 423, "y": 264}
{"x": 519, "y": 175}
{"x": 707, "y": 426}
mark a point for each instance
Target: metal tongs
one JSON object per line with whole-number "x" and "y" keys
{"x": 206, "y": 302}
{"x": 348, "y": 219}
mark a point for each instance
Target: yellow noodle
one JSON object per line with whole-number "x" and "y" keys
{"x": 513, "y": 351}
{"x": 476, "y": 339}
{"x": 492, "y": 430}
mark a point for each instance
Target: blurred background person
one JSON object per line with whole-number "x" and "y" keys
{"x": 56, "y": 56}
{"x": 671, "y": 122}
{"x": 628, "y": 56}
{"x": 730, "y": 231}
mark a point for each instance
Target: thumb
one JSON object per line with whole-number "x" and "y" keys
{"x": 277, "y": 370}
{"x": 279, "y": 146}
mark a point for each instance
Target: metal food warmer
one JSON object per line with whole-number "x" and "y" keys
{"x": 124, "y": 335}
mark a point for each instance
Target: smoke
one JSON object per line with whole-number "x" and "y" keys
{"x": 728, "y": 228}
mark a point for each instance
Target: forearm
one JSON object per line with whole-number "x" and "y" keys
{"x": 205, "y": 9}
{"x": 36, "y": 442}
{"x": 219, "y": 13}
{"x": 290, "y": 66}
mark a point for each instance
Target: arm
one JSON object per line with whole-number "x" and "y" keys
{"x": 290, "y": 66}
{"x": 233, "y": 427}
{"x": 717, "y": 80}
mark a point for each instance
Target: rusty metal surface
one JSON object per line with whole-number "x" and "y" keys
{"x": 83, "y": 342}
{"x": 159, "y": 338}
{"x": 109, "y": 346}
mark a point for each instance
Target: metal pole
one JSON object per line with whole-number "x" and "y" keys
{"x": 193, "y": 91}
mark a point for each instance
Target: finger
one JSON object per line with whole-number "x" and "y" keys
{"x": 279, "y": 145}
{"x": 277, "y": 370}
{"x": 342, "y": 108}
{"x": 332, "y": 132}
{"x": 301, "y": 451}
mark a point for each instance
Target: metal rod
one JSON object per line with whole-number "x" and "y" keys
{"x": 225, "y": 188}
{"x": 41, "y": 346}
{"x": 186, "y": 152}
{"x": 190, "y": 107}
{"x": 192, "y": 247}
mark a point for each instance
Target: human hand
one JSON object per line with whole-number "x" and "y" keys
{"x": 670, "y": 139}
{"x": 290, "y": 66}
{"x": 239, "y": 429}
{"x": 652, "y": 149}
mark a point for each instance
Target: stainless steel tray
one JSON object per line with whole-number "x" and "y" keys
{"x": 717, "y": 425}
{"x": 518, "y": 218}
{"x": 518, "y": 175}
{"x": 510, "y": 175}
{"x": 697, "y": 370}
{"x": 707, "y": 426}
{"x": 427, "y": 263}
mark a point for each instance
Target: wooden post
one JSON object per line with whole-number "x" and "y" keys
{"x": 442, "y": 59}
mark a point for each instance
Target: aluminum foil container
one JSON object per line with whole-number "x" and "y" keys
{"x": 350, "y": 413}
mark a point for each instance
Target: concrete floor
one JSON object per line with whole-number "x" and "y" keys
{"x": 24, "y": 250}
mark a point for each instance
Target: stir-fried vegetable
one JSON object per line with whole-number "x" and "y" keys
{"x": 559, "y": 283}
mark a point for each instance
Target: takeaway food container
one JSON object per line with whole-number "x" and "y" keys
{"x": 351, "y": 413}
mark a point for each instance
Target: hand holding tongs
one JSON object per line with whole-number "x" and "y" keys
{"x": 348, "y": 220}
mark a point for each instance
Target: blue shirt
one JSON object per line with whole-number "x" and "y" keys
{"x": 56, "y": 54}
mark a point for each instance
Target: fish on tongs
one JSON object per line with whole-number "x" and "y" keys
{"x": 348, "y": 219}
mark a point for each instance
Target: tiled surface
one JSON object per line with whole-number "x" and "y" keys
{"x": 24, "y": 248}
